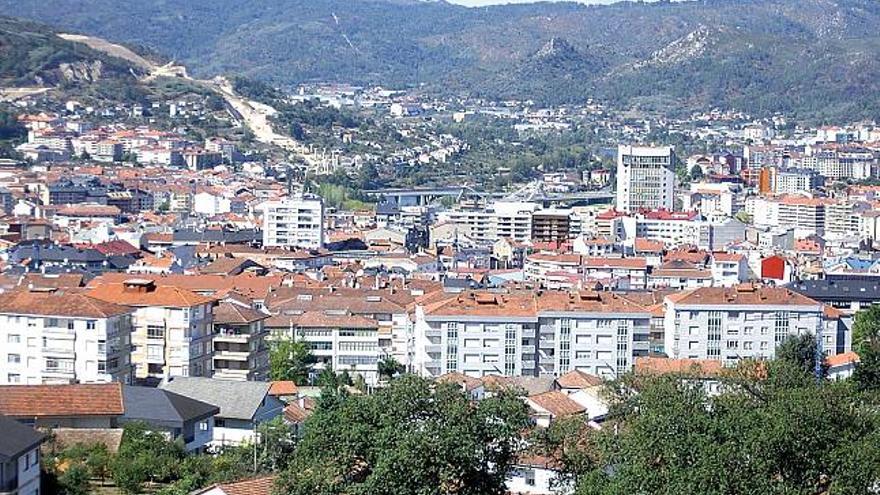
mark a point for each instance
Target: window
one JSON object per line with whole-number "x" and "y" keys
{"x": 13, "y": 378}
{"x": 510, "y": 350}
{"x": 70, "y": 324}
{"x": 203, "y": 425}
{"x": 90, "y": 324}
{"x": 102, "y": 347}
{"x": 564, "y": 345}
{"x": 713, "y": 339}
{"x": 52, "y": 322}
{"x": 102, "y": 366}
{"x": 155, "y": 332}
{"x": 13, "y": 359}
{"x": 452, "y": 346}
{"x": 13, "y": 338}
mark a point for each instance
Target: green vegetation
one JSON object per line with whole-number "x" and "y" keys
{"x": 866, "y": 343}
{"x": 772, "y": 429}
{"x": 290, "y": 360}
{"x": 807, "y": 58}
{"x": 407, "y": 439}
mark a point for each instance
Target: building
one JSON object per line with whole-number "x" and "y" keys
{"x": 731, "y": 323}
{"x": 243, "y": 405}
{"x": 57, "y": 336}
{"x": 645, "y": 178}
{"x": 794, "y": 180}
{"x": 530, "y": 333}
{"x": 179, "y": 417}
{"x": 240, "y": 348}
{"x": 172, "y": 332}
{"x": 294, "y": 222}
{"x": 19, "y": 458}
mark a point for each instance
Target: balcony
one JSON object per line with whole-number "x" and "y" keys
{"x": 231, "y": 355}
{"x": 528, "y": 349}
{"x": 55, "y": 351}
{"x": 59, "y": 331}
{"x": 232, "y": 337}
{"x": 433, "y": 348}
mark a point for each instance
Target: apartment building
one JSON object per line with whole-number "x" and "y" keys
{"x": 240, "y": 349}
{"x": 172, "y": 327}
{"x": 297, "y": 221}
{"x": 338, "y": 339}
{"x": 62, "y": 337}
{"x": 645, "y": 178}
{"x": 530, "y": 333}
{"x": 746, "y": 321}
{"x": 500, "y": 220}
{"x": 794, "y": 180}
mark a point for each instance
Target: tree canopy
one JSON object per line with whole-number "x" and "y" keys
{"x": 411, "y": 438}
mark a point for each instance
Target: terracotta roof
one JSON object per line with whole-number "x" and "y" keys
{"x": 235, "y": 314}
{"x": 662, "y": 366}
{"x": 160, "y": 295}
{"x": 300, "y": 410}
{"x": 257, "y": 486}
{"x": 320, "y": 319}
{"x": 578, "y": 379}
{"x": 34, "y": 401}
{"x": 59, "y": 303}
{"x": 647, "y": 245}
{"x": 745, "y": 295}
{"x": 842, "y": 359}
{"x": 88, "y": 211}
{"x": 283, "y": 387}
{"x": 468, "y": 383}
{"x": 557, "y": 404}
{"x": 629, "y": 263}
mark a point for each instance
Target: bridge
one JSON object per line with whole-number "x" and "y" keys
{"x": 426, "y": 195}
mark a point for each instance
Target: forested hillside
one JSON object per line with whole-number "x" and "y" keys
{"x": 808, "y": 58}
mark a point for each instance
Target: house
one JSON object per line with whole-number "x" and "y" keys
{"x": 179, "y": 417}
{"x": 263, "y": 485}
{"x": 550, "y": 406}
{"x": 243, "y": 405}
{"x": 19, "y": 458}
{"x": 535, "y": 475}
{"x": 64, "y": 406}
{"x": 841, "y": 366}
{"x": 298, "y": 411}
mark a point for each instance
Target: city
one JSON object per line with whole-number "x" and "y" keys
{"x": 213, "y": 283}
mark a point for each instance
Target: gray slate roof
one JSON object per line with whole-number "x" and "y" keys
{"x": 16, "y": 438}
{"x": 236, "y": 400}
{"x": 154, "y": 405}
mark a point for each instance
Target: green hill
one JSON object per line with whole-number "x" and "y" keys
{"x": 813, "y": 59}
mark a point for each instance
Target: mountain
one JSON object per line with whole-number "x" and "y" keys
{"x": 34, "y": 55}
{"x": 812, "y": 59}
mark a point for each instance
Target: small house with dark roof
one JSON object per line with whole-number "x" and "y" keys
{"x": 179, "y": 417}
{"x": 19, "y": 458}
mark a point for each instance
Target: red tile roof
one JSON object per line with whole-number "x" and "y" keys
{"x": 35, "y": 401}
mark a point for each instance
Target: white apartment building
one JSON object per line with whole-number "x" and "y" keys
{"x": 794, "y": 181}
{"x": 172, "y": 333}
{"x": 732, "y": 323}
{"x": 531, "y": 334}
{"x": 803, "y": 214}
{"x": 338, "y": 339}
{"x": 297, "y": 221}
{"x": 645, "y": 178}
{"x": 240, "y": 349}
{"x": 59, "y": 337}
{"x": 500, "y": 220}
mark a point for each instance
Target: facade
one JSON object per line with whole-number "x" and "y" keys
{"x": 59, "y": 337}
{"x": 172, "y": 333}
{"x": 645, "y": 178}
{"x": 531, "y": 334}
{"x": 240, "y": 348}
{"x": 19, "y": 458}
{"x": 733, "y": 323}
{"x": 294, "y": 222}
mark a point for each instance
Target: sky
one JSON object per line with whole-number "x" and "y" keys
{"x": 480, "y": 3}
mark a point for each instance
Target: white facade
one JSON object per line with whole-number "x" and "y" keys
{"x": 645, "y": 178}
{"x": 725, "y": 330}
{"x": 205, "y": 203}
{"x": 501, "y": 220}
{"x": 172, "y": 341}
{"x": 37, "y": 349}
{"x": 294, "y": 222}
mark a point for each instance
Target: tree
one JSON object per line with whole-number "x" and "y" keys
{"x": 74, "y": 480}
{"x": 771, "y": 429}
{"x": 145, "y": 455}
{"x": 696, "y": 173}
{"x": 290, "y": 360}
{"x": 412, "y": 437}
{"x": 866, "y": 343}
{"x": 802, "y": 351}
{"x": 389, "y": 367}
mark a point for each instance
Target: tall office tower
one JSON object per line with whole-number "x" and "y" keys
{"x": 645, "y": 178}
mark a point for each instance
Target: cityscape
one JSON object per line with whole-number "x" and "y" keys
{"x": 219, "y": 280}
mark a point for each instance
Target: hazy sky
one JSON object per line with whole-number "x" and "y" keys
{"x": 478, "y": 3}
